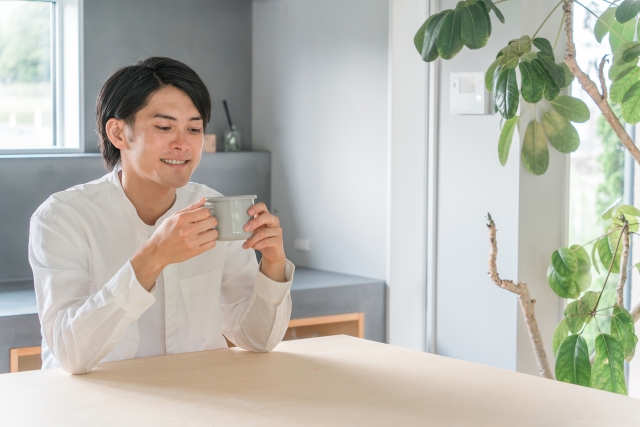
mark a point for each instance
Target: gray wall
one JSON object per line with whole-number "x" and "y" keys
{"x": 27, "y": 181}
{"x": 320, "y": 70}
{"x": 211, "y": 36}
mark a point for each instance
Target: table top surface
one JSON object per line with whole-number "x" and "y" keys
{"x": 329, "y": 381}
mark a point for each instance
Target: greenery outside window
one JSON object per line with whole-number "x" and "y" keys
{"x": 40, "y": 73}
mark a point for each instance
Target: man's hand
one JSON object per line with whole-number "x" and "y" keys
{"x": 184, "y": 235}
{"x": 267, "y": 238}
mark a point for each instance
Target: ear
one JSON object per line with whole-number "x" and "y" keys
{"x": 115, "y": 131}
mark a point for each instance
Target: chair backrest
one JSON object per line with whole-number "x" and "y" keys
{"x": 27, "y": 181}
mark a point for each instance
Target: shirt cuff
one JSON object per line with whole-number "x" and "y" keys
{"x": 129, "y": 293}
{"x": 271, "y": 291}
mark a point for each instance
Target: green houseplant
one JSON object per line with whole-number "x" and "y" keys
{"x": 526, "y": 76}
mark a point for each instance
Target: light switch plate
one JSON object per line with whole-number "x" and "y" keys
{"x": 468, "y": 94}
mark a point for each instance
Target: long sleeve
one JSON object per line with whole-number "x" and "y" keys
{"x": 79, "y": 327}
{"x": 255, "y": 309}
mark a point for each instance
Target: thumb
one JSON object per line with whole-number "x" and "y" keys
{"x": 193, "y": 206}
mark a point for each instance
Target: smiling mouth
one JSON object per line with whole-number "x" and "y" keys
{"x": 174, "y": 162}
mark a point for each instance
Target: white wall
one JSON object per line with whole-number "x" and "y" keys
{"x": 319, "y": 104}
{"x": 476, "y": 320}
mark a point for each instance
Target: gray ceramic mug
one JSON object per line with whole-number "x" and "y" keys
{"x": 232, "y": 216}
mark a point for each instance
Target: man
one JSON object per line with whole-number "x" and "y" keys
{"x": 128, "y": 265}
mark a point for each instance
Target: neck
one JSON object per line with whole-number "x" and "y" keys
{"x": 150, "y": 199}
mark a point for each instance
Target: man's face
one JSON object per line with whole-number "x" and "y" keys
{"x": 164, "y": 145}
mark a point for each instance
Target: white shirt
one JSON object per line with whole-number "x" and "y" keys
{"x": 93, "y": 309}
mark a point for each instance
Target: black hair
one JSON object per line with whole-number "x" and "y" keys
{"x": 128, "y": 91}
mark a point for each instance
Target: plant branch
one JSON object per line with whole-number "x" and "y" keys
{"x": 528, "y": 305}
{"x": 590, "y": 87}
{"x": 624, "y": 260}
{"x": 603, "y": 84}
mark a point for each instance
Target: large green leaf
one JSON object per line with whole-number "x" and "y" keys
{"x": 571, "y": 108}
{"x": 580, "y": 311}
{"x": 506, "y": 136}
{"x": 521, "y": 45}
{"x": 475, "y": 26}
{"x": 620, "y": 55}
{"x": 561, "y": 332}
{"x": 568, "y": 75}
{"x": 627, "y": 10}
{"x": 583, "y": 276}
{"x": 426, "y": 37}
{"x": 564, "y": 287}
{"x": 594, "y": 260}
{"x": 561, "y": 133}
{"x": 621, "y": 33}
{"x": 535, "y": 153}
{"x": 607, "y": 372}
{"x": 488, "y": 77}
{"x": 485, "y": 10}
{"x": 555, "y": 71}
{"x": 506, "y": 93}
{"x": 631, "y": 51}
{"x": 449, "y": 41}
{"x": 612, "y": 207}
{"x": 631, "y": 104}
{"x": 565, "y": 262}
{"x": 572, "y": 363}
{"x": 607, "y": 249}
{"x": 603, "y": 24}
{"x": 617, "y": 71}
{"x": 544, "y": 46}
{"x": 510, "y": 58}
{"x": 622, "y": 85}
{"x": 623, "y": 328}
{"x": 532, "y": 82}
{"x": 493, "y": 7}
{"x": 628, "y": 210}
{"x": 551, "y": 89}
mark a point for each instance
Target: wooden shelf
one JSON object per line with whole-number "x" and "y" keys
{"x": 25, "y": 359}
{"x": 352, "y": 324}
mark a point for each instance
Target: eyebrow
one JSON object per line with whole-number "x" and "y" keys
{"x": 164, "y": 116}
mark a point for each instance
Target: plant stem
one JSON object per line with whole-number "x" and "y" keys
{"x": 590, "y": 87}
{"x": 615, "y": 252}
{"x": 545, "y": 19}
{"x": 597, "y": 238}
{"x": 526, "y": 303}
{"x": 558, "y": 35}
{"x": 624, "y": 260}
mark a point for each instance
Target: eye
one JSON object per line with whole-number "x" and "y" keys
{"x": 164, "y": 128}
{"x": 195, "y": 130}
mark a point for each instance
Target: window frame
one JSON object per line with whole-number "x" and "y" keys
{"x": 67, "y": 78}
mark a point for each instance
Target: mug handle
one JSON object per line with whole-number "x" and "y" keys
{"x": 209, "y": 205}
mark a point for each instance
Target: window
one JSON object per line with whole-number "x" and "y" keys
{"x": 40, "y": 101}
{"x": 26, "y": 74}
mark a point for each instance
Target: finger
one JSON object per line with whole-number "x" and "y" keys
{"x": 195, "y": 215}
{"x": 263, "y": 219}
{"x": 261, "y": 234}
{"x": 207, "y": 237}
{"x": 207, "y": 246}
{"x": 205, "y": 224}
{"x": 267, "y": 243}
{"x": 257, "y": 209}
{"x": 193, "y": 206}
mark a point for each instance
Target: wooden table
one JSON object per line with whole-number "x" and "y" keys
{"x": 327, "y": 381}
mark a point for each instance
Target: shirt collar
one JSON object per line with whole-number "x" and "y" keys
{"x": 130, "y": 210}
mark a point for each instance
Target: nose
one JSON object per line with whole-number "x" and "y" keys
{"x": 180, "y": 142}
